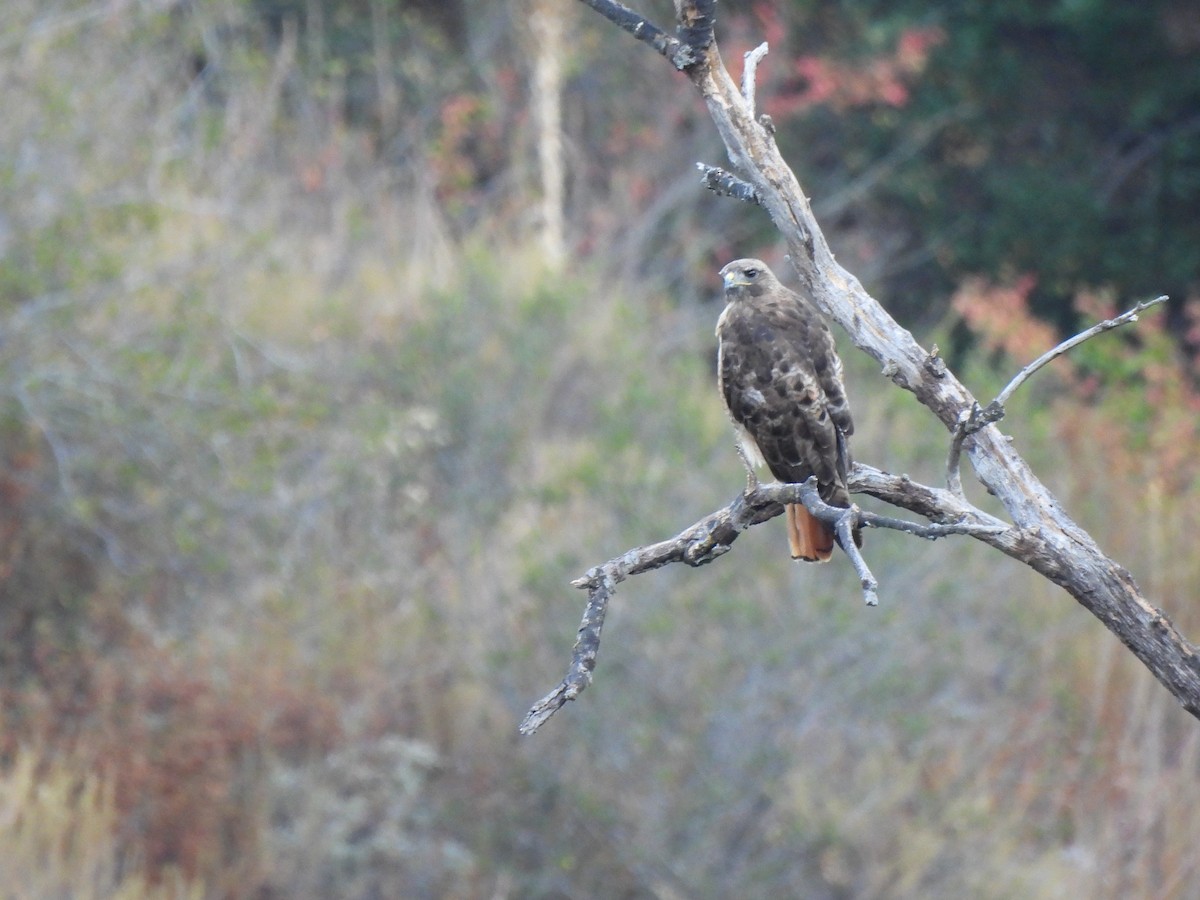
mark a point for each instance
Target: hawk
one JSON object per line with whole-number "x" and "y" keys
{"x": 781, "y": 379}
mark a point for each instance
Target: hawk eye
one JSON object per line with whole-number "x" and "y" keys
{"x": 752, "y": 273}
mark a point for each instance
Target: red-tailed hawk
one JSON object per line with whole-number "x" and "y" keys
{"x": 781, "y": 379}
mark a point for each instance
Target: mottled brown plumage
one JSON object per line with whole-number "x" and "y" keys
{"x": 781, "y": 379}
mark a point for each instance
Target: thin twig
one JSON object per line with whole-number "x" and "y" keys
{"x": 945, "y": 510}
{"x": 967, "y": 520}
{"x": 583, "y": 657}
{"x": 1100, "y": 327}
{"x": 970, "y": 421}
{"x": 844, "y": 521}
{"x": 866, "y": 579}
{"x": 750, "y": 74}
{"x": 976, "y": 417}
{"x": 954, "y": 456}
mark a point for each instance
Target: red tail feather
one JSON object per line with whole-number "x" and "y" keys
{"x": 811, "y": 539}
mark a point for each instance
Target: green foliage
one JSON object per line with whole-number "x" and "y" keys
{"x": 1068, "y": 149}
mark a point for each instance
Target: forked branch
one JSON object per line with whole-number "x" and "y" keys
{"x": 713, "y": 536}
{"x": 977, "y": 418}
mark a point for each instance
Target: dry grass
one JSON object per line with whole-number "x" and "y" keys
{"x": 59, "y": 827}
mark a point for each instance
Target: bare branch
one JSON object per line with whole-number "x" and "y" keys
{"x": 726, "y": 184}
{"x": 583, "y": 657}
{"x": 681, "y": 54}
{"x": 845, "y": 521}
{"x": 1124, "y": 318}
{"x": 845, "y": 537}
{"x": 936, "y": 504}
{"x": 976, "y": 418}
{"x": 969, "y": 422}
{"x": 750, "y": 73}
{"x": 701, "y": 543}
{"x": 713, "y": 536}
{"x": 954, "y": 456}
{"x": 696, "y": 21}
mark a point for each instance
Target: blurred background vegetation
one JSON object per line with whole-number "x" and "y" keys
{"x": 332, "y": 347}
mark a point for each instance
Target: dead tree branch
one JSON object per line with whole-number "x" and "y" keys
{"x": 1041, "y": 536}
{"x": 695, "y": 30}
{"x": 713, "y": 536}
{"x": 726, "y": 184}
{"x": 979, "y": 417}
{"x": 969, "y": 421}
{"x": 1130, "y": 315}
{"x": 845, "y": 521}
{"x": 750, "y": 73}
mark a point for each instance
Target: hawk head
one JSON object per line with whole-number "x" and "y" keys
{"x": 747, "y": 277}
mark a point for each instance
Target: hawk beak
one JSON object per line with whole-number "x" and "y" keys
{"x": 733, "y": 279}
